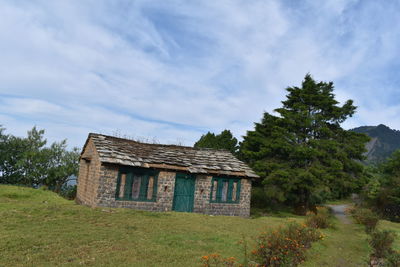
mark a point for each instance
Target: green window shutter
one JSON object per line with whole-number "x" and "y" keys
{"x": 128, "y": 186}
{"x": 230, "y": 188}
{"x": 219, "y": 190}
{"x": 143, "y": 186}
{"x": 118, "y": 185}
{"x": 140, "y": 179}
{"x": 217, "y": 187}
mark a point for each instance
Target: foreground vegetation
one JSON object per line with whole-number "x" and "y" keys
{"x": 39, "y": 228}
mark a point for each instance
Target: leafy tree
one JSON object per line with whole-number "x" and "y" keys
{"x": 224, "y": 140}
{"x": 383, "y": 190}
{"x": 33, "y": 161}
{"x": 63, "y": 165}
{"x": 11, "y": 153}
{"x": 303, "y": 155}
{"x": 27, "y": 161}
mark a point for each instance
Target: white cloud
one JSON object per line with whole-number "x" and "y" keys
{"x": 176, "y": 70}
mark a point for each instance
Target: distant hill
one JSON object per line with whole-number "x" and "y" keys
{"x": 384, "y": 141}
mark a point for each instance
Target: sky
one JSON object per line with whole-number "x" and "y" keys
{"x": 170, "y": 71}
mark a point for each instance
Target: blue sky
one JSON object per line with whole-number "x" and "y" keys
{"x": 172, "y": 70}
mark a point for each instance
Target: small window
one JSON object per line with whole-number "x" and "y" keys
{"x": 150, "y": 188}
{"x": 224, "y": 194}
{"x": 122, "y": 185}
{"x": 137, "y": 180}
{"x": 234, "y": 189}
{"x": 214, "y": 192}
{"x": 225, "y": 190}
{"x": 136, "y": 184}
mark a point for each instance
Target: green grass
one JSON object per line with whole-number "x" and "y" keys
{"x": 39, "y": 228}
{"x": 395, "y": 227}
{"x": 339, "y": 201}
{"x": 344, "y": 245}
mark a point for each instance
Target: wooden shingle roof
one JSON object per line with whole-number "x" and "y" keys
{"x": 194, "y": 160}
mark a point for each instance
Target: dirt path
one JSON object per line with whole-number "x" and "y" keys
{"x": 344, "y": 246}
{"x": 340, "y": 212}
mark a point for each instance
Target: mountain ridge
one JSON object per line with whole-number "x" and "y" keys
{"x": 384, "y": 141}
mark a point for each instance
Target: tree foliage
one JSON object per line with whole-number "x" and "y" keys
{"x": 303, "y": 155}
{"x": 27, "y": 161}
{"x": 224, "y": 140}
{"x": 382, "y": 192}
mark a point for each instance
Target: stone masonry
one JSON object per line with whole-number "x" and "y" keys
{"x": 202, "y": 199}
{"x": 106, "y": 188}
{"x": 89, "y": 176}
{"x": 97, "y": 183}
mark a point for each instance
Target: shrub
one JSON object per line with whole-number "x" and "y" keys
{"x": 259, "y": 198}
{"x": 366, "y": 217}
{"x": 319, "y": 220}
{"x": 393, "y": 260}
{"x": 284, "y": 246}
{"x": 217, "y": 260}
{"x": 68, "y": 192}
{"x": 381, "y": 243}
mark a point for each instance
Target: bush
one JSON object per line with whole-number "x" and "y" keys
{"x": 68, "y": 192}
{"x": 259, "y": 198}
{"x": 381, "y": 243}
{"x": 284, "y": 246}
{"x": 217, "y": 260}
{"x": 319, "y": 220}
{"x": 393, "y": 260}
{"x": 366, "y": 217}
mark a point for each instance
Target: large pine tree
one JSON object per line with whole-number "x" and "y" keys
{"x": 303, "y": 155}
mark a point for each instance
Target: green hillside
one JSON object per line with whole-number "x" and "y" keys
{"x": 384, "y": 141}
{"x": 39, "y": 228}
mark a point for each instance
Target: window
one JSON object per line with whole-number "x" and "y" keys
{"x": 122, "y": 185}
{"x": 225, "y": 190}
{"x": 136, "y": 184}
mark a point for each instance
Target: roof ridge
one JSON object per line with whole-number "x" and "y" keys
{"x": 162, "y": 145}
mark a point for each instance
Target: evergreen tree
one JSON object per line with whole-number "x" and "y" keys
{"x": 303, "y": 155}
{"x": 224, "y": 140}
{"x": 382, "y": 192}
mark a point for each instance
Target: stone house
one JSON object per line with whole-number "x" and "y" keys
{"x": 116, "y": 172}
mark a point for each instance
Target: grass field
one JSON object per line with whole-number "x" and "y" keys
{"x": 395, "y": 227}
{"x": 39, "y": 228}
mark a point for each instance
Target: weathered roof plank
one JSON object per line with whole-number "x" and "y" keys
{"x": 127, "y": 152}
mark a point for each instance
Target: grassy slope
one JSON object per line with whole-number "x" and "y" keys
{"x": 38, "y": 228}
{"x": 395, "y": 227}
{"x": 345, "y": 245}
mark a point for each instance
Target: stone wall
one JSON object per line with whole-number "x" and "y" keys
{"x": 89, "y": 176}
{"x": 202, "y": 199}
{"x": 108, "y": 185}
{"x": 103, "y": 193}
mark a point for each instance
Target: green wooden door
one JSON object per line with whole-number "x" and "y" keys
{"x": 184, "y": 192}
